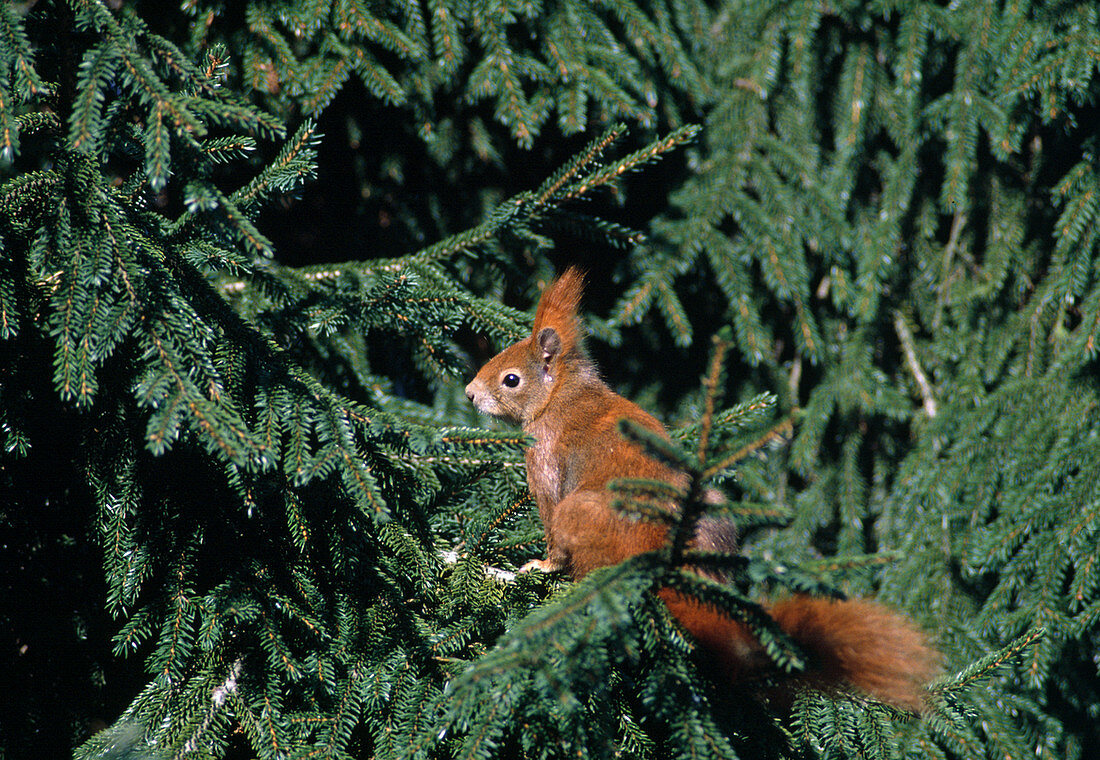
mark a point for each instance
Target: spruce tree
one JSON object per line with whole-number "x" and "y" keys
{"x": 247, "y": 510}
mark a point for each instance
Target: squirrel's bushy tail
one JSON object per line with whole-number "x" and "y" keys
{"x": 862, "y": 643}
{"x": 855, "y": 642}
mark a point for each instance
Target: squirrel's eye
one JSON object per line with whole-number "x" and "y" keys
{"x": 511, "y": 380}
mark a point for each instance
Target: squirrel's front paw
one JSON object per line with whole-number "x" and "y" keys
{"x": 542, "y": 565}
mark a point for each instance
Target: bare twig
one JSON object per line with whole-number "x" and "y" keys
{"x": 957, "y": 225}
{"x": 908, "y": 347}
{"x": 496, "y": 573}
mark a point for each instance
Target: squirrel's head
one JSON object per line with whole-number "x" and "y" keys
{"x": 516, "y": 384}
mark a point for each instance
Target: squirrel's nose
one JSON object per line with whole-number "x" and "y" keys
{"x": 470, "y": 392}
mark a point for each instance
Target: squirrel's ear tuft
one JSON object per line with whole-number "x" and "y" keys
{"x": 558, "y": 310}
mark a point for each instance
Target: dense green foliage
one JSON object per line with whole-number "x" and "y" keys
{"x": 250, "y": 251}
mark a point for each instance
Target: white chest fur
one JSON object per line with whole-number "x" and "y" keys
{"x": 543, "y": 467}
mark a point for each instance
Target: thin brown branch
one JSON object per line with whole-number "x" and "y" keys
{"x": 779, "y": 431}
{"x": 908, "y": 347}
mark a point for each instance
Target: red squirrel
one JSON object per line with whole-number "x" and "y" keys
{"x": 547, "y": 384}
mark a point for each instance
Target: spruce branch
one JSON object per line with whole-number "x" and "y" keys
{"x": 594, "y": 229}
{"x": 13, "y": 38}
{"x": 988, "y": 665}
{"x": 632, "y": 307}
{"x": 39, "y": 122}
{"x": 640, "y": 487}
{"x": 711, "y": 392}
{"x": 218, "y": 698}
{"x": 603, "y": 176}
{"x": 157, "y": 149}
{"x": 543, "y": 628}
{"x": 294, "y": 165}
{"x": 96, "y": 72}
{"x": 500, "y": 218}
{"x": 591, "y": 153}
{"x": 522, "y": 210}
{"x": 9, "y": 127}
{"x": 777, "y": 433}
{"x": 168, "y": 54}
{"x": 636, "y": 508}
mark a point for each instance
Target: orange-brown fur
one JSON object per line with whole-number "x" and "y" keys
{"x": 547, "y": 384}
